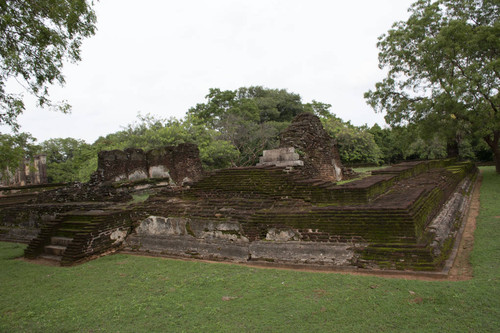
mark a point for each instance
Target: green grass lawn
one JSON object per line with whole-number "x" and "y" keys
{"x": 122, "y": 293}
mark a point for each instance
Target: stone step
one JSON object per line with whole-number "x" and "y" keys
{"x": 50, "y": 257}
{"x": 64, "y": 241}
{"x": 56, "y": 250}
{"x": 67, "y": 233}
{"x": 77, "y": 222}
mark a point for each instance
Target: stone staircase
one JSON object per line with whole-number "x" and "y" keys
{"x": 74, "y": 236}
{"x": 65, "y": 232}
{"x": 55, "y": 250}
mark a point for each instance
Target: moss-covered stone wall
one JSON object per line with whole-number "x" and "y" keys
{"x": 275, "y": 215}
{"x": 383, "y": 217}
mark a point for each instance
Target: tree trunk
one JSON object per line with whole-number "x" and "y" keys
{"x": 495, "y": 148}
{"x": 496, "y": 156}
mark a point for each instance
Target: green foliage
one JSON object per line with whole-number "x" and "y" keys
{"x": 13, "y": 150}
{"x": 68, "y": 159}
{"x": 355, "y": 144}
{"x": 219, "y": 154}
{"x": 432, "y": 149}
{"x": 87, "y": 168}
{"x": 389, "y": 142}
{"x": 409, "y": 142}
{"x": 250, "y": 119}
{"x": 139, "y": 294}
{"x": 443, "y": 70}
{"x": 36, "y": 38}
{"x": 273, "y": 104}
{"x": 322, "y": 110}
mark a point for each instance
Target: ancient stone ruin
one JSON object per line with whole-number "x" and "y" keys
{"x": 176, "y": 164}
{"x": 317, "y": 149}
{"x": 264, "y": 214}
{"x": 289, "y": 210}
{"x": 281, "y": 157}
{"x": 29, "y": 172}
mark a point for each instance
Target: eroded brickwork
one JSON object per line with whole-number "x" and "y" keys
{"x": 179, "y": 164}
{"x": 315, "y": 146}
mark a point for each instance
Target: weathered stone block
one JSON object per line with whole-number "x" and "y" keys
{"x": 281, "y": 157}
{"x": 187, "y": 246}
{"x": 159, "y": 171}
{"x": 340, "y": 254}
{"x": 162, "y": 226}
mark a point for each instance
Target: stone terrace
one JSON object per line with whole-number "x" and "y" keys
{"x": 257, "y": 214}
{"x": 266, "y": 214}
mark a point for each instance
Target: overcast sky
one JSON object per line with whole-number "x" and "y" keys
{"x": 161, "y": 57}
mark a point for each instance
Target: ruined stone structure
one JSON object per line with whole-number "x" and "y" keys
{"x": 176, "y": 164}
{"x": 281, "y": 157}
{"x": 26, "y": 211}
{"x": 263, "y": 214}
{"x": 403, "y": 217}
{"x": 315, "y": 146}
{"x": 29, "y": 172}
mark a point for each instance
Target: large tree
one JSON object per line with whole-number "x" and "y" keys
{"x": 443, "y": 69}
{"x": 36, "y": 38}
{"x": 250, "y": 118}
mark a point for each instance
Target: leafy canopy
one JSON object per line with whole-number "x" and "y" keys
{"x": 36, "y": 38}
{"x": 444, "y": 69}
{"x": 249, "y": 119}
{"x": 13, "y": 149}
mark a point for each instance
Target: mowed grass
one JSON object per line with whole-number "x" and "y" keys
{"x": 122, "y": 293}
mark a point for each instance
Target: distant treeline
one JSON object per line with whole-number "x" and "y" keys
{"x": 232, "y": 128}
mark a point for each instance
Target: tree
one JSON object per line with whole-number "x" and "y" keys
{"x": 36, "y": 38}
{"x": 256, "y": 104}
{"x": 355, "y": 144}
{"x": 444, "y": 69}
{"x": 65, "y": 158}
{"x": 13, "y": 150}
{"x": 250, "y": 119}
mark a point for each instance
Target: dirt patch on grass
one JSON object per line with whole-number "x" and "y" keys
{"x": 462, "y": 269}
{"x": 40, "y": 261}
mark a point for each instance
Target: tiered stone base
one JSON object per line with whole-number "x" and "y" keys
{"x": 266, "y": 214}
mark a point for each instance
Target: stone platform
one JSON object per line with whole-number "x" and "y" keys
{"x": 386, "y": 221}
{"x": 404, "y": 217}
